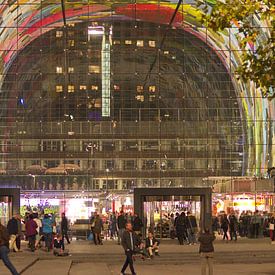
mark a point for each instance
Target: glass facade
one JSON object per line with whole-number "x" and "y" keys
{"x": 119, "y": 99}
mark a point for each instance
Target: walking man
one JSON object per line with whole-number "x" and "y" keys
{"x": 129, "y": 241}
{"x": 64, "y": 228}
{"x": 206, "y": 251}
{"x": 4, "y": 249}
{"x": 121, "y": 222}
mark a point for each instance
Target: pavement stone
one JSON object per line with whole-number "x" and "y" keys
{"x": 90, "y": 268}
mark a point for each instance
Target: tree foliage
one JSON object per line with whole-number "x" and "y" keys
{"x": 259, "y": 62}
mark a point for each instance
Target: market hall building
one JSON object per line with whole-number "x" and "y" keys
{"x": 100, "y": 99}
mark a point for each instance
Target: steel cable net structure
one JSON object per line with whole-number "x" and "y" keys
{"x": 79, "y": 109}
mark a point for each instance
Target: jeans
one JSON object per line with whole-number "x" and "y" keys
{"x": 191, "y": 235}
{"x": 48, "y": 240}
{"x": 4, "y": 256}
{"x": 206, "y": 262}
{"x": 128, "y": 261}
{"x": 32, "y": 242}
{"x": 65, "y": 235}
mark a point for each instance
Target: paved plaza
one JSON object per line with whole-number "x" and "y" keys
{"x": 244, "y": 257}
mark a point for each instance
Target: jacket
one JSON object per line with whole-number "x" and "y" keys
{"x": 126, "y": 240}
{"x": 121, "y": 222}
{"x": 47, "y": 225}
{"x": 147, "y": 242}
{"x": 206, "y": 242}
{"x": 64, "y": 224}
{"x": 98, "y": 225}
{"x": 12, "y": 226}
{"x": 31, "y": 227}
{"x": 137, "y": 224}
{"x": 4, "y": 236}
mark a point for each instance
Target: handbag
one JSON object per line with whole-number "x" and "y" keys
{"x": 90, "y": 237}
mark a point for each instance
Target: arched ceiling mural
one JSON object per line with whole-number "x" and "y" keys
{"x": 23, "y": 21}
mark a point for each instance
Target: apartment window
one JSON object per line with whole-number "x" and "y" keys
{"x": 94, "y": 69}
{"x": 59, "y": 70}
{"x": 83, "y": 87}
{"x": 108, "y": 146}
{"x": 94, "y": 88}
{"x": 140, "y": 43}
{"x": 140, "y": 89}
{"x": 109, "y": 164}
{"x": 166, "y": 52}
{"x": 70, "y": 88}
{"x": 71, "y": 43}
{"x": 116, "y": 42}
{"x": 128, "y": 42}
{"x": 116, "y": 88}
{"x": 59, "y": 88}
{"x": 129, "y": 164}
{"x": 152, "y": 97}
{"x": 152, "y": 89}
{"x": 140, "y": 98}
{"x": 152, "y": 43}
{"x": 59, "y": 34}
{"x": 70, "y": 69}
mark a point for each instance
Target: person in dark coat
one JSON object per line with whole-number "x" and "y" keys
{"x": 224, "y": 226}
{"x": 4, "y": 249}
{"x": 65, "y": 228}
{"x": 206, "y": 251}
{"x": 137, "y": 224}
{"x": 129, "y": 242}
{"x": 12, "y": 227}
{"x": 181, "y": 227}
{"x": 233, "y": 224}
{"x": 98, "y": 227}
{"x": 121, "y": 223}
{"x": 31, "y": 226}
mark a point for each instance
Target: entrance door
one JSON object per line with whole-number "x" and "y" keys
{"x": 160, "y": 212}
{"x": 5, "y": 209}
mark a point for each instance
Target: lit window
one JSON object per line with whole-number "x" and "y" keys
{"x": 152, "y": 97}
{"x": 83, "y": 87}
{"x": 128, "y": 42}
{"x": 59, "y": 33}
{"x": 94, "y": 88}
{"x": 59, "y": 88}
{"x": 116, "y": 42}
{"x": 94, "y": 69}
{"x": 71, "y": 43}
{"x": 152, "y": 43}
{"x": 59, "y": 70}
{"x": 70, "y": 69}
{"x": 152, "y": 89}
{"x": 140, "y": 98}
{"x": 166, "y": 52}
{"x": 140, "y": 43}
{"x": 140, "y": 89}
{"x": 98, "y": 103}
{"x": 116, "y": 88}
{"x": 70, "y": 88}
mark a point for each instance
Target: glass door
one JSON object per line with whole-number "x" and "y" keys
{"x": 5, "y": 209}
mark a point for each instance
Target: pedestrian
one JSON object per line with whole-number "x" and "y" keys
{"x": 47, "y": 229}
{"x": 181, "y": 227}
{"x": 206, "y": 251}
{"x": 191, "y": 225}
{"x": 12, "y": 227}
{"x": 65, "y": 228}
{"x": 224, "y": 226}
{"x": 98, "y": 227}
{"x": 137, "y": 224}
{"x": 31, "y": 232}
{"x": 121, "y": 222}
{"x": 93, "y": 217}
{"x": 4, "y": 249}
{"x": 129, "y": 241}
{"x": 113, "y": 225}
{"x": 233, "y": 224}
{"x": 19, "y": 234}
{"x": 38, "y": 229}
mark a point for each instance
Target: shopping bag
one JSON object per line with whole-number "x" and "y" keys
{"x": 91, "y": 237}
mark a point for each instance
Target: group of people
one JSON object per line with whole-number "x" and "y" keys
{"x": 247, "y": 224}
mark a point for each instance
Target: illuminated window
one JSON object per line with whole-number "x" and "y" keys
{"x": 140, "y": 89}
{"x": 59, "y": 33}
{"x": 140, "y": 98}
{"x": 94, "y": 88}
{"x": 116, "y": 88}
{"x": 83, "y": 87}
{"x": 152, "y": 89}
{"x": 59, "y": 88}
{"x": 166, "y": 52}
{"x": 94, "y": 69}
{"x": 152, "y": 43}
{"x": 70, "y": 88}
{"x": 152, "y": 97}
{"x": 140, "y": 43}
{"x": 116, "y": 42}
{"x": 71, "y": 43}
{"x": 70, "y": 69}
{"x": 59, "y": 70}
{"x": 128, "y": 42}
{"x": 98, "y": 103}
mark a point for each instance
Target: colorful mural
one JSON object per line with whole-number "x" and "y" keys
{"x": 23, "y": 21}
